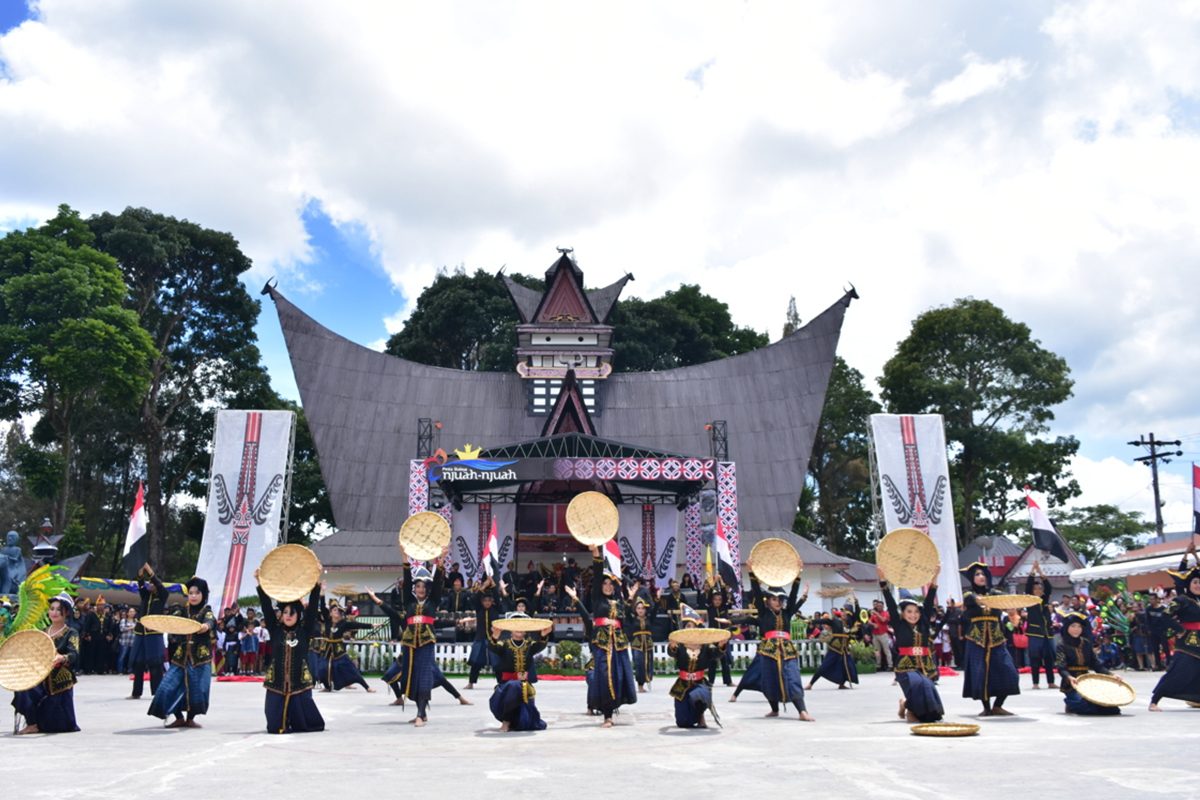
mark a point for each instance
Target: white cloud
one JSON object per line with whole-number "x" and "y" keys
{"x": 921, "y": 151}
{"x": 978, "y": 77}
{"x": 1111, "y": 481}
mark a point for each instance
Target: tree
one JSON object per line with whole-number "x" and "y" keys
{"x": 186, "y": 292}
{"x": 838, "y": 469}
{"x": 792, "y": 323}
{"x": 1097, "y": 532}
{"x": 462, "y": 321}
{"x": 995, "y": 386}
{"x": 682, "y": 328}
{"x": 66, "y": 342}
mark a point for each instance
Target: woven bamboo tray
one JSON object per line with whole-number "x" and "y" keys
{"x": 424, "y": 535}
{"x": 1105, "y": 690}
{"x": 26, "y": 658}
{"x": 945, "y": 729}
{"x": 909, "y": 558}
{"x": 592, "y": 519}
{"x": 527, "y": 624}
{"x": 776, "y": 563}
{"x": 289, "y": 572}
{"x": 834, "y": 591}
{"x": 1008, "y": 601}
{"x": 168, "y": 623}
{"x": 699, "y": 636}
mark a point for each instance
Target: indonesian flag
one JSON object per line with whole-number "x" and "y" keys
{"x": 1045, "y": 536}
{"x": 491, "y": 554}
{"x": 724, "y": 558}
{"x": 1195, "y": 498}
{"x": 612, "y": 557}
{"x": 136, "y": 542}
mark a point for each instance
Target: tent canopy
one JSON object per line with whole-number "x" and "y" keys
{"x": 1142, "y": 566}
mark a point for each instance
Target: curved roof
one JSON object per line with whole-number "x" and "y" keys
{"x": 362, "y": 408}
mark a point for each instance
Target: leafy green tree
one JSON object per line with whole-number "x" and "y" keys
{"x": 186, "y": 291}
{"x": 792, "y": 322}
{"x": 682, "y": 328}
{"x": 462, "y": 321}
{"x": 66, "y": 342}
{"x": 995, "y": 386}
{"x": 839, "y": 470}
{"x": 1096, "y": 532}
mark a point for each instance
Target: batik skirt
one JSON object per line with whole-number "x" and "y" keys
{"x": 1076, "y": 704}
{"x": 921, "y": 696}
{"x": 52, "y": 713}
{"x": 1182, "y": 678}
{"x": 612, "y": 681}
{"x": 416, "y": 669}
{"x": 837, "y": 667}
{"x": 752, "y": 678}
{"x": 343, "y": 672}
{"x": 989, "y": 673}
{"x": 508, "y": 704}
{"x": 184, "y": 690}
{"x": 643, "y": 665}
{"x": 293, "y": 713}
{"x": 781, "y": 681}
{"x": 690, "y": 710}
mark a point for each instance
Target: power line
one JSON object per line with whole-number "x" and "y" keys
{"x": 1153, "y": 459}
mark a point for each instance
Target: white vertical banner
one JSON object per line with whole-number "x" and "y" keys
{"x": 648, "y": 538}
{"x": 466, "y": 542}
{"x": 914, "y": 477}
{"x": 251, "y": 454}
{"x": 666, "y": 544}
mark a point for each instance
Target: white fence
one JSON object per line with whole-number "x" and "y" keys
{"x": 452, "y": 658}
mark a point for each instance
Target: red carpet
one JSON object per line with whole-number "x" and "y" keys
{"x": 562, "y": 677}
{"x": 946, "y": 672}
{"x": 240, "y": 678}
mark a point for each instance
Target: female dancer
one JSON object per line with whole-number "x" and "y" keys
{"x": 147, "y": 653}
{"x": 838, "y": 665}
{"x": 1182, "y": 680}
{"x": 394, "y": 672}
{"x": 716, "y": 601}
{"x": 341, "y": 671}
{"x": 642, "y": 645}
{"x": 612, "y": 685}
{"x": 751, "y": 679}
{"x": 1077, "y": 657}
{"x": 512, "y": 701}
{"x": 780, "y": 665}
{"x": 423, "y": 592}
{"x": 487, "y": 609}
{"x": 49, "y": 707}
{"x": 1039, "y": 627}
{"x": 184, "y": 689}
{"x": 915, "y": 666}
{"x": 289, "y": 705}
{"x": 989, "y": 669}
{"x": 691, "y": 690}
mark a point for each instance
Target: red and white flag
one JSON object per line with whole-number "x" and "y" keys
{"x": 724, "y": 556}
{"x": 136, "y": 543}
{"x": 491, "y": 554}
{"x": 612, "y": 557}
{"x": 1045, "y": 535}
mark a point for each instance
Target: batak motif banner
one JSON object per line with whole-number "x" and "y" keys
{"x": 251, "y": 454}
{"x": 914, "y": 477}
{"x": 648, "y": 541}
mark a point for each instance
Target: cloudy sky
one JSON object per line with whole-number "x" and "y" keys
{"x": 1044, "y": 156}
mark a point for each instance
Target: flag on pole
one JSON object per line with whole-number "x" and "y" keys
{"x": 1195, "y": 498}
{"x": 1045, "y": 536}
{"x": 136, "y": 541}
{"x": 612, "y": 557}
{"x": 724, "y": 558}
{"x": 491, "y": 554}
{"x": 708, "y": 564}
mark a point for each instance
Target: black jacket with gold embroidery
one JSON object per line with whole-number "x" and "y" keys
{"x": 607, "y": 607}
{"x": 288, "y": 672}
{"x": 695, "y": 662}
{"x": 981, "y": 624}
{"x": 193, "y": 649}
{"x": 911, "y": 637}
{"x": 62, "y": 677}
{"x": 771, "y": 622}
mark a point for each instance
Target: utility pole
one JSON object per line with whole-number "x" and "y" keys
{"x": 1152, "y": 460}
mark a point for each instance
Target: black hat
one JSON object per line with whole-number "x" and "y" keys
{"x": 969, "y": 572}
{"x": 201, "y": 584}
{"x": 1183, "y": 577}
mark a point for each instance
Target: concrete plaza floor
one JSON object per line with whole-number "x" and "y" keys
{"x": 856, "y": 748}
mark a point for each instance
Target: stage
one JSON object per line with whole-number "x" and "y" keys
{"x": 857, "y": 748}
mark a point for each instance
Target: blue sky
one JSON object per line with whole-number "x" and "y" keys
{"x": 1042, "y": 155}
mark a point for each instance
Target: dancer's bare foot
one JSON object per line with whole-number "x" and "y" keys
{"x": 134, "y": 697}
{"x": 808, "y": 688}
{"x": 462, "y": 701}
{"x": 608, "y": 723}
{"x": 733, "y": 698}
{"x": 1035, "y": 686}
{"x": 28, "y": 729}
{"x": 843, "y": 686}
{"x": 910, "y": 717}
{"x": 1000, "y": 712}
{"x": 191, "y": 723}
{"x": 469, "y": 686}
{"x": 419, "y": 722}
{"x": 177, "y": 723}
{"x": 771, "y": 714}
{"x": 370, "y": 690}
{"x": 985, "y": 713}
{"x": 326, "y": 689}
{"x": 806, "y": 717}
{"x": 399, "y": 701}
{"x": 894, "y": 683}
{"x": 1154, "y": 707}
{"x": 641, "y": 689}
{"x": 702, "y": 723}
{"x": 504, "y": 727}
{"x": 414, "y": 720}
{"x": 901, "y": 712}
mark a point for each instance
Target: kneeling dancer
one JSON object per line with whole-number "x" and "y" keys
{"x": 512, "y": 700}
{"x": 692, "y": 691}
{"x": 916, "y": 668}
{"x": 1075, "y": 658}
{"x": 289, "y": 683}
